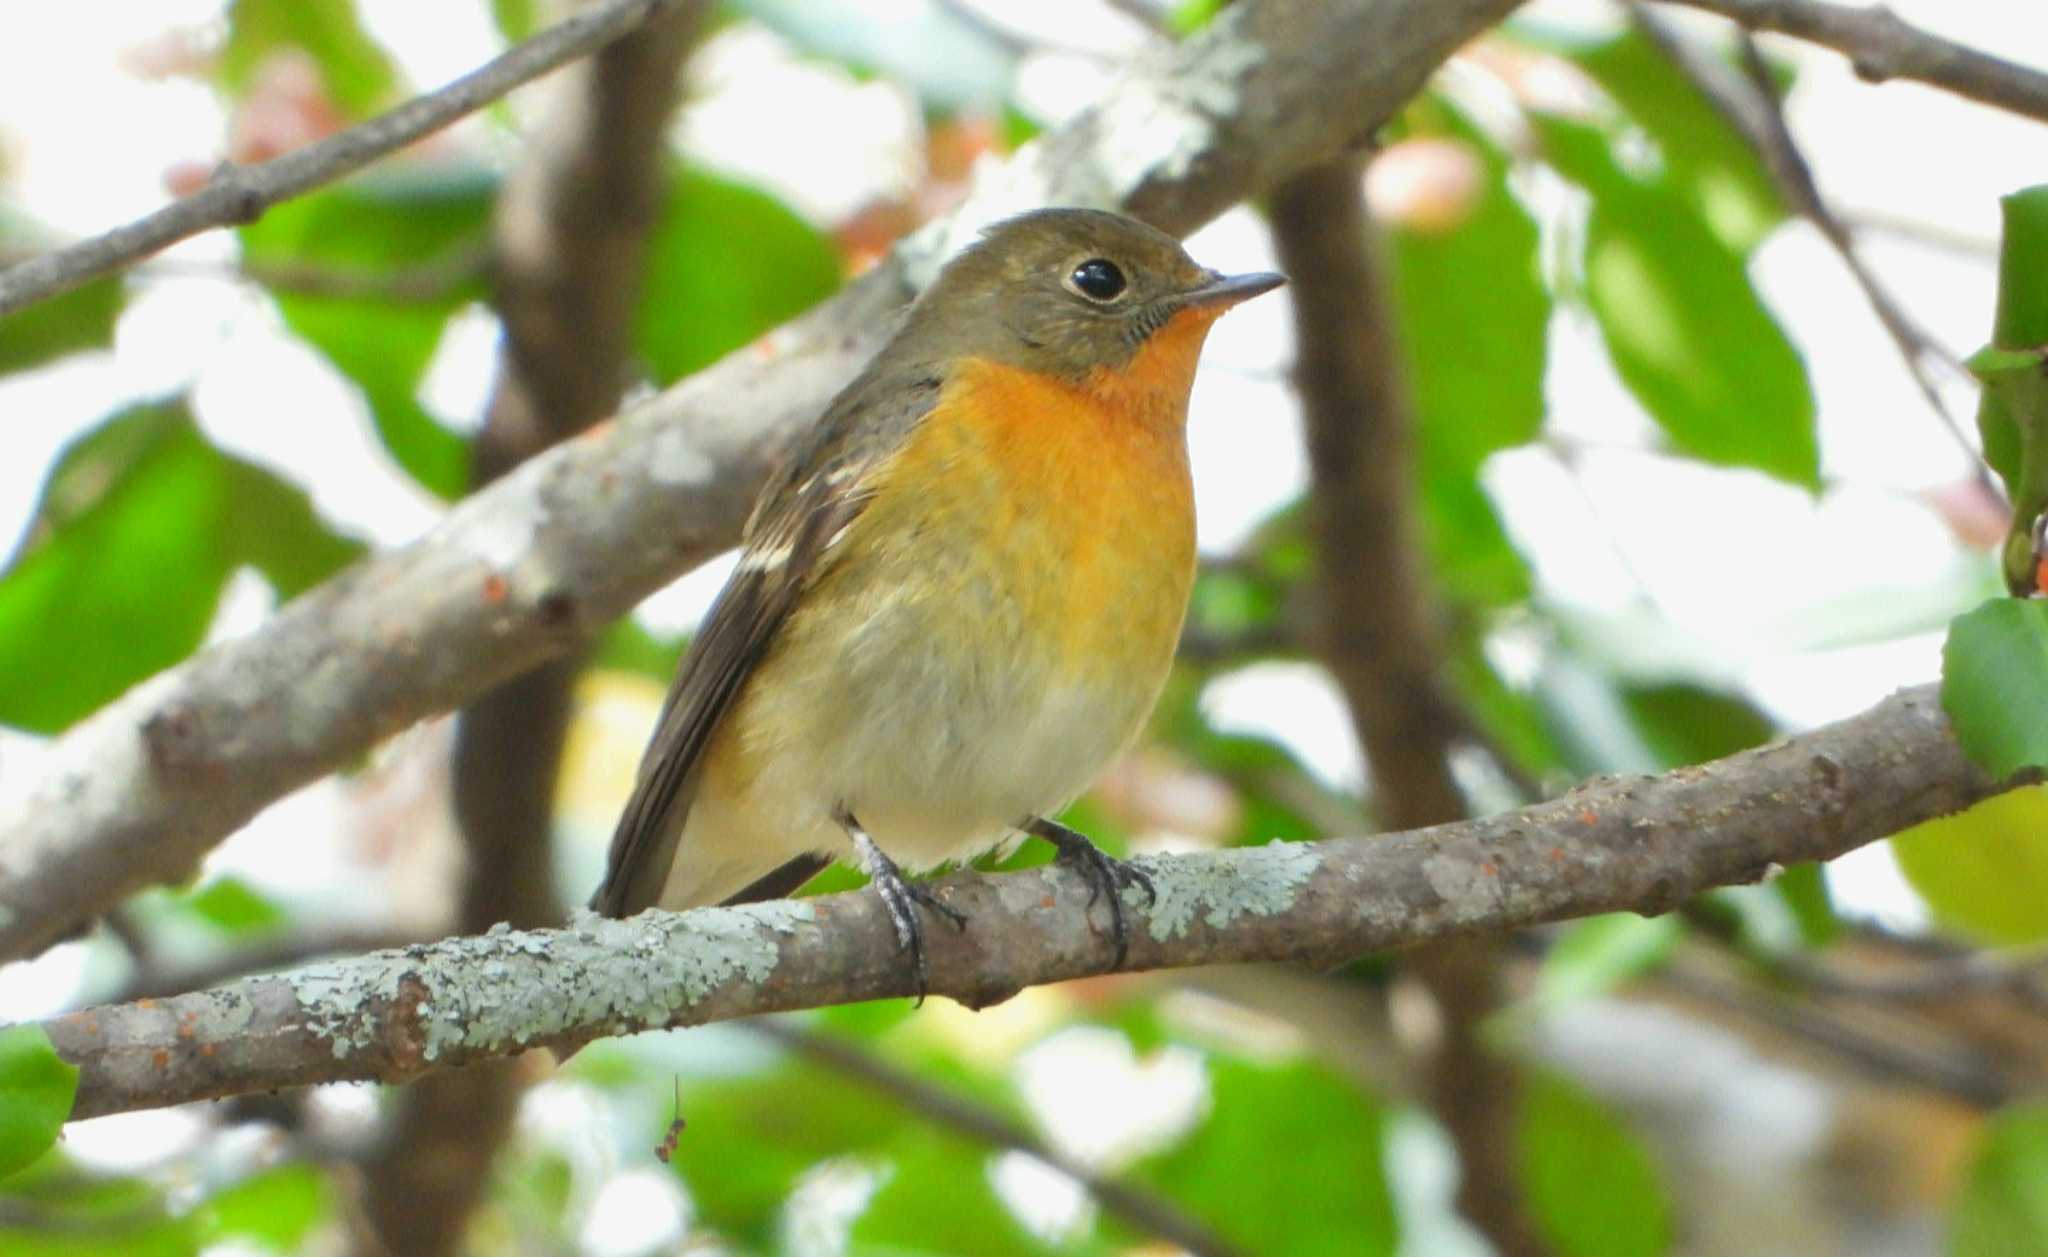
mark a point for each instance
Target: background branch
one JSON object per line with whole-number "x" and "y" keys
{"x": 1377, "y": 638}
{"x": 1646, "y": 844}
{"x": 240, "y": 194}
{"x": 526, "y": 569}
{"x": 1139, "y": 1208}
{"x": 1881, "y": 46}
{"x": 1750, "y": 105}
{"x": 570, "y": 242}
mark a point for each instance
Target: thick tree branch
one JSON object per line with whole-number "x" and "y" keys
{"x": 1379, "y": 641}
{"x": 1645, "y": 844}
{"x": 527, "y": 569}
{"x": 570, "y": 241}
{"x": 240, "y": 194}
{"x": 1881, "y": 47}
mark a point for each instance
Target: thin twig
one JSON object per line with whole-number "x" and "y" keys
{"x": 1881, "y": 46}
{"x": 1751, "y": 107}
{"x": 1965, "y": 1074}
{"x": 1141, "y": 1209}
{"x": 240, "y": 194}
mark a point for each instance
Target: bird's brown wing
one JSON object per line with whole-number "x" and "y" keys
{"x": 823, "y": 488}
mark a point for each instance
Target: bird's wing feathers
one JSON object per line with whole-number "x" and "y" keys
{"x": 822, "y": 489}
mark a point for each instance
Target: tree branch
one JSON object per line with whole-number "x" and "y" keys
{"x": 1643, "y": 844}
{"x": 1378, "y": 639}
{"x": 570, "y": 243}
{"x": 240, "y": 194}
{"x": 1880, "y": 46}
{"x": 526, "y": 569}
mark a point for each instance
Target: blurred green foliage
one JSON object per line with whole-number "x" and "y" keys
{"x": 143, "y": 520}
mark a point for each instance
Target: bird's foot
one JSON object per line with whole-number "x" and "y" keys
{"x": 902, "y": 897}
{"x": 1107, "y": 875}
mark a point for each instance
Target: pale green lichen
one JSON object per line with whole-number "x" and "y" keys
{"x": 1224, "y": 885}
{"x": 517, "y": 987}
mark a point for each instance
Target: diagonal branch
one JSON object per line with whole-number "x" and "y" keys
{"x": 1881, "y": 46}
{"x": 1753, "y": 110}
{"x": 240, "y": 194}
{"x": 526, "y": 569}
{"x": 1645, "y": 844}
{"x": 1136, "y": 1206}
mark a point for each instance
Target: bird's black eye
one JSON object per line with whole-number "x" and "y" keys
{"x": 1098, "y": 279}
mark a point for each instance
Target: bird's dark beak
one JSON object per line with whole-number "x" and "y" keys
{"x": 1228, "y": 290}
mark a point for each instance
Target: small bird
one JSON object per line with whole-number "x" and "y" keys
{"x": 958, "y": 600}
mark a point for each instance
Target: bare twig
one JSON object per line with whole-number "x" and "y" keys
{"x": 1881, "y": 47}
{"x": 1378, "y": 639}
{"x": 240, "y": 194}
{"x": 1751, "y": 107}
{"x": 1143, "y": 1210}
{"x": 1643, "y": 844}
{"x": 526, "y": 569}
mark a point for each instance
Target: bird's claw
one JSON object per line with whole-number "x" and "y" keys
{"x": 1107, "y": 876}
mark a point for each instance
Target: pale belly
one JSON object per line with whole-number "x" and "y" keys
{"x": 946, "y": 696}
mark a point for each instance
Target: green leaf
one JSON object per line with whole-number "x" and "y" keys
{"x": 936, "y": 1198}
{"x": 704, "y": 296}
{"x": 141, "y": 524}
{"x": 36, "y": 1089}
{"x": 2002, "y": 1209}
{"x": 1291, "y": 1160}
{"x": 516, "y": 19}
{"x": 1600, "y": 953}
{"x": 77, "y": 320}
{"x": 2012, "y": 410}
{"x": 358, "y": 74}
{"x": 276, "y": 1209}
{"x": 1684, "y": 326}
{"x": 384, "y": 225}
{"x": 1685, "y": 724}
{"x": 1592, "y": 1188}
{"x": 1473, "y": 394}
{"x": 788, "y": 1120}
{"x": 227, "y": 903}
{"x": 1718, "y": 168}
{"x": 1994, "y": 684}
{"x": 1803, "y": 888}
{"x": 1981, "y": 871}
{"x": 628, "y": 647}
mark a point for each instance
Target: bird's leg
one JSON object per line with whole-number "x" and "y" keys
{"x": 899, "y": 894}
{"x": 1105, "y": 873}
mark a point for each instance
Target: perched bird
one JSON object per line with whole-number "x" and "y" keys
{"x": 960, "y": 597}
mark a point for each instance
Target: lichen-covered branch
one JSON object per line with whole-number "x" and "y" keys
{"x": 1882, "y": 46}
{"x": 1640, "y": 843}
{"x": 528, "y": 568}
{"x": 569, "y": 248}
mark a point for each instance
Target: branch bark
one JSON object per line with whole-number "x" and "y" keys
{"x": 570, "y": 241}
{"x": 525, "y": 570}
{"x": 1881, "y": 46}
{"x": 1642, "y": 844}
{"x": 240, "y": 194}
{"x": 1378, "y": 639}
